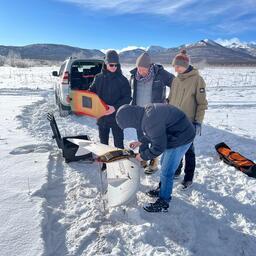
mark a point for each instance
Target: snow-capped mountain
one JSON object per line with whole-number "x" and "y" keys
{"x": 204, "y": 51}
{"x": 237, "y": 45}
{"x": 234, "y": 42}
{"x": 210, "y": 52}
{"x": 219, "y": 52}
{"x": 203, "y": 43}
{"x": 156, "y": 49}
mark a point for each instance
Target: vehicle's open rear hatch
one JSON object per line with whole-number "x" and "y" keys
{"x": 83, "y": 73}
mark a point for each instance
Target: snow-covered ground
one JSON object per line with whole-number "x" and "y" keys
{"x": 48, "y": 207}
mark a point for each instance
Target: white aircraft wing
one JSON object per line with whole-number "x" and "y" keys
{"x": 86, "y": 146}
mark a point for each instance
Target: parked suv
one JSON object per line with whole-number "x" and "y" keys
{"x": 74, "y": 74}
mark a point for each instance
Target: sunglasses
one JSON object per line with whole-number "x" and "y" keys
{"x": 113, "y": 65}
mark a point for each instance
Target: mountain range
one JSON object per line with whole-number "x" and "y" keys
{"x": 206, "y": 52}
{"x": 236, "y": 45}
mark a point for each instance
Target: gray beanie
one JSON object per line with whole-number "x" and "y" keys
{"x": 111, "y": 57}
{"x": 181, "y": 59}
{"x": 129, "y": 116}
{"x": 143, "y": 60}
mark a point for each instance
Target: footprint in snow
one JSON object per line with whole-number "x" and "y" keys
{"x": 33, "y": 148}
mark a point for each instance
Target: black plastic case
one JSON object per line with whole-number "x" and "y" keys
{"x": 69, "y": 149}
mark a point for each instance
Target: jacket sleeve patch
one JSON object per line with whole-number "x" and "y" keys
{"x": 202, "y": 90}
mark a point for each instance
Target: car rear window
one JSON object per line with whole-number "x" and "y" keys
{"x": 83, "y": 73}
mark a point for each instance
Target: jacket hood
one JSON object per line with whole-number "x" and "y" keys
{"x": 129, "y": 116}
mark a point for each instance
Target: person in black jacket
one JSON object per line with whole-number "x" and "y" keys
{"x": 114, "y": 89}
{"x": 168, "y": 130}
{"x": 149, "y": 82}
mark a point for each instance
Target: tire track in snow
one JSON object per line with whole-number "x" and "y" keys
{"x": 59, "y": 205}
{"x": 53, "y": 231}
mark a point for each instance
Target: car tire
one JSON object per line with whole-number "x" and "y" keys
{"x": 56, "y": 98}
{"x": 62, "y": 110}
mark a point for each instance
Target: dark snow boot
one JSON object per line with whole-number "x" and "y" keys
{"x": 153, "y": 192}
{"x": 159, "y": 206}
{"x": 186, "y": 184}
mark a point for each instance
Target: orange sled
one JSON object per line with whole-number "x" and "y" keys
{"x": 235, "y": 159}
{"x": 87, "y": 103}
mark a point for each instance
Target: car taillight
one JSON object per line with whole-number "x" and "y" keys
{"x": 65, "y": 79}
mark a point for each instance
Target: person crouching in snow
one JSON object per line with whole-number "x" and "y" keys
{"x": 168, "y": 130}
{"x": 188, "y": 94}
{"x": 114, "y": 89}
{"x": 149, "y": 82}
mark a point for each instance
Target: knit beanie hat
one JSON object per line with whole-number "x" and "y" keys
{"x": 181, "y": 59}
{"x": 111, "y": 57}
{"x": 143, "y": 60}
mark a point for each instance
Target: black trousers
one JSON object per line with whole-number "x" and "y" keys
{"x": 190, "y": 164}
{"x": 117, "y": 132}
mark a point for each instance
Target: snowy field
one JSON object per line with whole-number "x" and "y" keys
{"x": 48, "y": 207}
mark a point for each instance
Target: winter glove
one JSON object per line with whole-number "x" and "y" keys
{"x": 198, "y": 128}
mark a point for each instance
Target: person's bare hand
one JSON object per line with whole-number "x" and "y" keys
{"x": 138, "y": 157}
{"x": 110, "y": 110}
{"x": 134, "y": 144}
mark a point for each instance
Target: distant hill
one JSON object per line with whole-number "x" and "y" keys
{"x": 204, "y": 51}
{"x": 54, "y": 52}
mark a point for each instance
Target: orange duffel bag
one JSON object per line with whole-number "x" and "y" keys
{"x": 235, "y": 159}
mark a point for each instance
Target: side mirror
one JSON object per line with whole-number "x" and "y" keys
{"x": 55, "y": 73}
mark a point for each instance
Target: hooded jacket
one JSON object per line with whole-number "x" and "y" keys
{"x": 113, "y": 89}
{"x": 188, "y": 94}
{"x": 161, "y": 79}
{"x": 163, "y": 126}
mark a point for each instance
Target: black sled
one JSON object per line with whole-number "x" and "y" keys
{"x": 68, "y": 148}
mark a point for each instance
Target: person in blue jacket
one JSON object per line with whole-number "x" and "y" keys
{"x": 168, "y": 131}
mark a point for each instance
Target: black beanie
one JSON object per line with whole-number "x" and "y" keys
{"x": 129, "y": 116}
{"x": 111, "y": 57}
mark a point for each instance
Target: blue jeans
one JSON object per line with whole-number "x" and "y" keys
{"x": 169, "y": 163}
{"x": 190, "y": 164}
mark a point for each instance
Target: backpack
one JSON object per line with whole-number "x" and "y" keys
{"x": 235, "y": 159}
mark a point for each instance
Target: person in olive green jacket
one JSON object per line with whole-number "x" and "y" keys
{"x": 188, "y": 94}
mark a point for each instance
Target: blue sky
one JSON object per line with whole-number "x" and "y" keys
{"x": 103, "y": 24}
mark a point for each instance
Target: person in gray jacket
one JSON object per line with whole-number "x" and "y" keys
{"x": 168, "y": 130}
{"x": 149, "y": 81}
